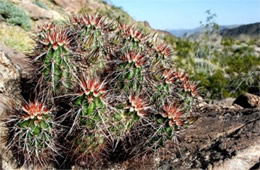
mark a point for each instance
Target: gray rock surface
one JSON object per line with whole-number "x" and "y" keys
{"x": 20, "y": 61}
{"x": 222, "y": 138}
{"x": 36, "y": 12}
{"x": 9, "y": 98}
{"x": 9, "y": 76}
{"x": 72, "y": 6}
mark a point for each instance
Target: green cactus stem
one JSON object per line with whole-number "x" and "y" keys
{"x": 56, "y": 64}
{"x": 33, "y": 134}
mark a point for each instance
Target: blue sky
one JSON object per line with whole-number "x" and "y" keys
{"x": 186, "y": 14}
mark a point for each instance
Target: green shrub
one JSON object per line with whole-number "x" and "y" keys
{"x": 14, "y": 15}
{"x": 231, "y": 69}
{"x": 223, "y": 67}
{"x": 40, "y": 4}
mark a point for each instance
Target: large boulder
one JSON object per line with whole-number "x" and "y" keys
{"x": 71, "y": 6}
{"x": 248, "y": 100}
{"x": 20, "y": 61}
{"x": 36, "y": 12}
{"x": 10, "y": 98}
{"x": 74, "y": 6}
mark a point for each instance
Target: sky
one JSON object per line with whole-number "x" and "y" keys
{"x": 187, "y": 14}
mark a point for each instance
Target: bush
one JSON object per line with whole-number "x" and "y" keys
{"x": 223, "y": 67}
{"x": 14, "y": 15}
{"x": 41, "y": 4}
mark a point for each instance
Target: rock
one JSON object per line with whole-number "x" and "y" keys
{"x": 71, "y": 6}
{"x": 10, "y": 98}
{"x": 147, "y": 24}
{"x": 219, "y": 139}
{"x": 9, "y": 76}
{"x": 244, "y": 159}
{"x": 225, "y": 102}
{"x": 76, "y": 5}
{"x": 248, "y": 100}
{"x": 35, "y": 12}
{"x": 21, "y": 62}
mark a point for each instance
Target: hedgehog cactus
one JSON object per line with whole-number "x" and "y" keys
{"x": 134, "y": 109}
{"x": 90, "y": 107}
{"x": 127, "y": 83}
{"x": 89, "y": 101}
{"x": 163, "y": 51}
{"x": 92, "y": 30}
{"x": 131, "y": 71}
{"x": 55, "y": 58}
{"x": 32, "y": 133}
{"x": 88, "y": 148}
{"x": 135, "y": 39}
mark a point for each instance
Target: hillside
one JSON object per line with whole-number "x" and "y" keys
{"x": 19, "y": 19}
{"x": 252, "y": 30}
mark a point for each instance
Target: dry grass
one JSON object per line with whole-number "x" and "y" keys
{"x": 17, "y": 38}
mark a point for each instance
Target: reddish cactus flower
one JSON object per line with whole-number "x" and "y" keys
{"x": 191, "y": 87}
{"x": 47, "y": 27}
{"x": 173, "y": 113}
{"x": 94, "y": 86}
{"x": 77, "y": 20}
{"x": 123, "y": 27}
{"x": 56, "y": 37}
{"x": 137, "y": 58}
{"x": 132, "y": 32}
{"x": 97, "y": 21}
{"x": 172, "y": 76}
{"x": 138, "y": 105}
{"x": 169, "y": 76}
{"x": 164, "y": 50}
{"x": 182, "y": 76}
{"x": 35, "y": 110}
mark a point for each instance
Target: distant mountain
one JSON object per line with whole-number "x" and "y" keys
{"x": 182, "y": 32}
{"x": 252, "y": 30}
{"x": 225, "y": 30}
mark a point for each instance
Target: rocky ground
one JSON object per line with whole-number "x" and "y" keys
{"x": 226, "y": 134}
{"x": 224, "y": 137}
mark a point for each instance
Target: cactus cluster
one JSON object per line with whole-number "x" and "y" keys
{"x": 116, "y": 81}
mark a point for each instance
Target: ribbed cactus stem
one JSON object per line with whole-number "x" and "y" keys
{"x": 57, "y": 67}
{"x": 34, "y": 134}
{"x": 91, "y": 106}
